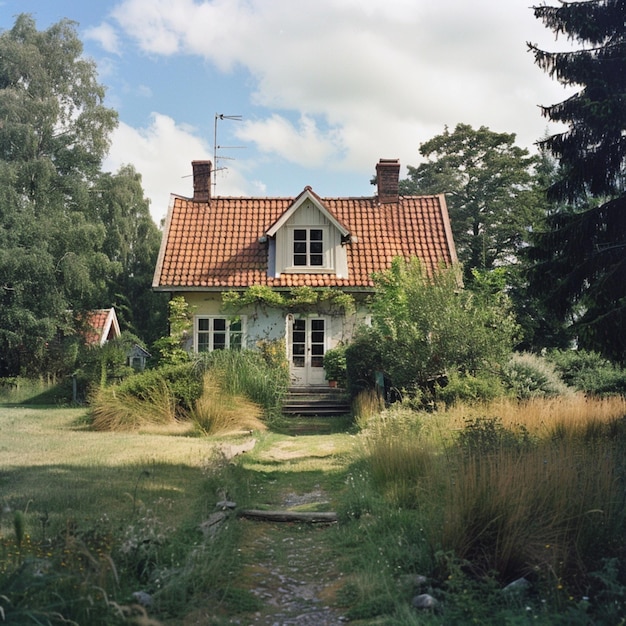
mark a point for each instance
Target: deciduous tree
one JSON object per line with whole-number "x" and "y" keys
{"x": 425, "y": 326}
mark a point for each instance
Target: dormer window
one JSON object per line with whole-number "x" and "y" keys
{"x": 308, "y": 247}
{"x": 307, "y": 239}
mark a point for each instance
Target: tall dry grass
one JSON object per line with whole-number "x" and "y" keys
{"x": 217, "y": 411}
{"x": 542, "y": 416}
{"x": 551, "y": 511}
{"x": 366, "y": 405}
{"x": 541, "y": 492}
{"x": 116, "y": 409}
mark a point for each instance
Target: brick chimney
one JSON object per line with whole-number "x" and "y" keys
{"x": 388, "y": 176}
{"x": 201, "y": 180}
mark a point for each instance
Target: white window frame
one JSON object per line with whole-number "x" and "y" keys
{"x": 325, "y": 253}
{"x": 211, "y": 333}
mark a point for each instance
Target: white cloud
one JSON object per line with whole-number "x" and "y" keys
{"x": 305, "y": 144}
{"x": 162, "y": 153}
{"x": 106, "y": 36}
{"x": 348, "y": 81}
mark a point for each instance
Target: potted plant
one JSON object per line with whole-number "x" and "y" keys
{"x": 335, "y": 366}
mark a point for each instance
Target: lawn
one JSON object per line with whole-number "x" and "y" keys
{"x": 465, "y": 501}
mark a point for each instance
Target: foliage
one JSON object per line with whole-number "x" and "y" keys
{"x": 172, "y": 348}
{"x": 491, "y": 190}
{"x": 365, "y": 406}
{"x": 335, "y": 364}
{"x": 486, "y": 435}
{"x": 528, "y": 375}
{"x": 424, "y": 327}
{"x": 72, "y": 238}
{"x": 157, "y": 396}
{"x": 132, "y": 241}
{"x": 101, "y": 365}
{"x": 262, "y": 377}
{"x": 466, "y": 388}
{"x": 481, "y": 506}
{"x": 124, "y": 529}
{"x": 304, "y": 298}
{"x": 113, "y": 408}
{"x": 589, "y": 372}
{"x": 580, "y": 259}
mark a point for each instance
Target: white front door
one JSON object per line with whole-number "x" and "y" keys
{"x": 306, "y": 343}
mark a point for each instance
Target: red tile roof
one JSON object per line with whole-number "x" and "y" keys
{"x": 216, "y": 246}
{"x": 100, "y": 326}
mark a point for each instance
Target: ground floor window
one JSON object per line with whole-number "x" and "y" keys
{"x": 218, "y": 333}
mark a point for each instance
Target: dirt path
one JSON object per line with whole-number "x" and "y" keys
{"x": 291, "y": 570}
{"x": 290, "y": 567}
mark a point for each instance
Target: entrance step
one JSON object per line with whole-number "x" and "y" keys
{"x": 316, "y": 401}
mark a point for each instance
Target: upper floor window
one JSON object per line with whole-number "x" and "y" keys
{"x": 308, "y": 247}
{"x": 218, "y": 333}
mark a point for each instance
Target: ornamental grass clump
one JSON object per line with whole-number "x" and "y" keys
{"x": 115, "y": 408}
{"x": 261, "y": 376}
{"x": 217, "y": 411}
{"x": 551, "y": 510}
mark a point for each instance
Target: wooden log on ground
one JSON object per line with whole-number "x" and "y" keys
{"x": 326, "y": 517}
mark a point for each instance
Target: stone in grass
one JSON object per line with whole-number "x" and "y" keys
{"x": 414, "y": 580}
{"x": 226, "y": 504}
{"x": 143, "y": 598}
{"x": 210, "y": 526}
{"x": 519, "y": 585}
{"x": 424, "y": 601}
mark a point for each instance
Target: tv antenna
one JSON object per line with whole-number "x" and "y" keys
{"x": 220, "y": 117}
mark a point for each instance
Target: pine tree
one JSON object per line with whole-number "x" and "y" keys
{"x": 581, "y": 259}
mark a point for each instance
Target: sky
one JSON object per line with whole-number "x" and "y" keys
{"x": 312, "y": 92}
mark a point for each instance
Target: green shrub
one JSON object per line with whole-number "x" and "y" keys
{"x": 468, "y": 389}
{"x": 335, "y": 364}
{"x": 363, "y": 360}
{"x": 485, "y": 435}
{"x": 589, "y": 372}
{"x": 528, "y": 375}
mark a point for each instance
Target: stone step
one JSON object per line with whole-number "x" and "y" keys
{"x": 316, "y": 401}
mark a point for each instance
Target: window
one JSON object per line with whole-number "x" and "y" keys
{"x": 218, "y": 333}
{"x": 308, "y": 247}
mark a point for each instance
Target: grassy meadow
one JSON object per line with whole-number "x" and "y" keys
{"x": 457, "y": 503}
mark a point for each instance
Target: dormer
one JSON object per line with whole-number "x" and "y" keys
{"x": 307, "y": 238}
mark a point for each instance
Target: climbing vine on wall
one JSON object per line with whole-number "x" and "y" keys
{"x": 324, "y": 300}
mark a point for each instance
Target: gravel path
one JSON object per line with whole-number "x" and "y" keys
{"x": 290, "y": 569}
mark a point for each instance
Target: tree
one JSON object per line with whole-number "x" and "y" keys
{"x": 424, "y": 326}
{"x": 132, "y": 242}
{"x": 581, "y": 260}
{"x": 491, "y": 190}
{"x": 71, "y": 237}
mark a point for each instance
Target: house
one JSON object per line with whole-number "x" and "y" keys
{"x": 99, "y": 326}
{"x": 216, "y": 246}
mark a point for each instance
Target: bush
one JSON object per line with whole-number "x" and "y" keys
{"x": 468, "y": 389}
{"x": 527, "y": 375}
{"x": 159, "y": 396}
{"x": 335, "y": 364}
{"x": 589, "y": 372}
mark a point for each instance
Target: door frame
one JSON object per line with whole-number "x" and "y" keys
{"x": 310, "y": 374}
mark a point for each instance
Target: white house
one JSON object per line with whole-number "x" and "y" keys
{"x": 216, "y": 245}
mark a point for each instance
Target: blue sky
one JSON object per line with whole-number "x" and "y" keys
{"x": 324, "y": 87}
